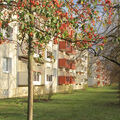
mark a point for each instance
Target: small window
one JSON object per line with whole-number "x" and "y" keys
{"x": 9, "y": 33}
{"x": 67, "y": 79}
{"x": 7, "y": 64}
{"x": 49, "y": 77}
{"x": 37, "y": 78}
{"x": 85, "y": 57}
{"x": 68, "y": 44}
{"x": 49, "y": 54}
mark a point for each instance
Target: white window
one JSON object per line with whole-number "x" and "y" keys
{"x": 37, "y": 78}
{"x": 7, "y": 64}
{"x": 49, "y": 78}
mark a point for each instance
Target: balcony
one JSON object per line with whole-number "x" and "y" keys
{"x": 72, "y": 66}
{"x": 63, "y": 80}
{"x": 72, "y": 80}
{"x": 55, "y": 41}
{"x": 64, "y": 46}
{"x": 64, "y": 63}
{"x": 71, "y": 50}
{"x": 66, "y": 80}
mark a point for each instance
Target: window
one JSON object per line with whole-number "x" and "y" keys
{"x": 37, "y": 78}
{"x": 49, "y": 54}
{"x": 68, "y": 44}
{"x": 67, "y": 79}
{"x": 7, "y": 33}
{"x": 49, "y": 77}
{"x": 68, "y": 63}
{"x": 37, "y": 51}
{"x": 85, "y": 57}
{"x": 7, "y": 64}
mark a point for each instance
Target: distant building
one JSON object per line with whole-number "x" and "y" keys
{"x": 97, "y": 73}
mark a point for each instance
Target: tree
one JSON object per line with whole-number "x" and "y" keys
{"x": 39, "y": 21}
{"x": 110, "y": 52}
{"x": 112, "y": 38}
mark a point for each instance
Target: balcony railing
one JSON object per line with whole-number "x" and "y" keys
{"x": 64, "y": 46}
{"x": 64, "y": 63}
{"x": 72, "y": 66}
{"x": 71, "y": 50}
{"x": 66, "y": 80}
{"x": 72, "y": 80}
{"x": 63, "y": 80}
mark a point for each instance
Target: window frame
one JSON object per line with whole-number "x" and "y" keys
{"x": 37, "y": 80}
{"x": 68, "y": 45}
{"x": 49, "y": 54}
{"x": 46, "y": 55}
{"x": 7, "y": 34}
{"x": 8, "y": 65}
{"x": 49, "y": 78}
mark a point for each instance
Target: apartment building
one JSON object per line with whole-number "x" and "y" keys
{"x": 71, "y": 63}
{"x": 58, "y": 70}
{"x": 14, "y": 73}
{"x": 55, "y": 73}
{"x": 66, "y": 64}
{"x": 66, "y": 71}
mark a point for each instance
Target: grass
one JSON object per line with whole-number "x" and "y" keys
{"x": 89, "y": 104}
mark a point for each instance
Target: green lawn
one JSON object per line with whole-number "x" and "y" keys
{"x": 90, "y": 104}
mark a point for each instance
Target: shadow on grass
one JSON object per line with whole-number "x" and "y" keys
{"x": 11, "y": 114}
{"x": 112, "y": 104}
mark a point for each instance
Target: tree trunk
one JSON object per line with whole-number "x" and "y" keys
{"x": 118, "y": 37}
{"x": 119, "y": 92}
{"x": 30, "y": 81}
